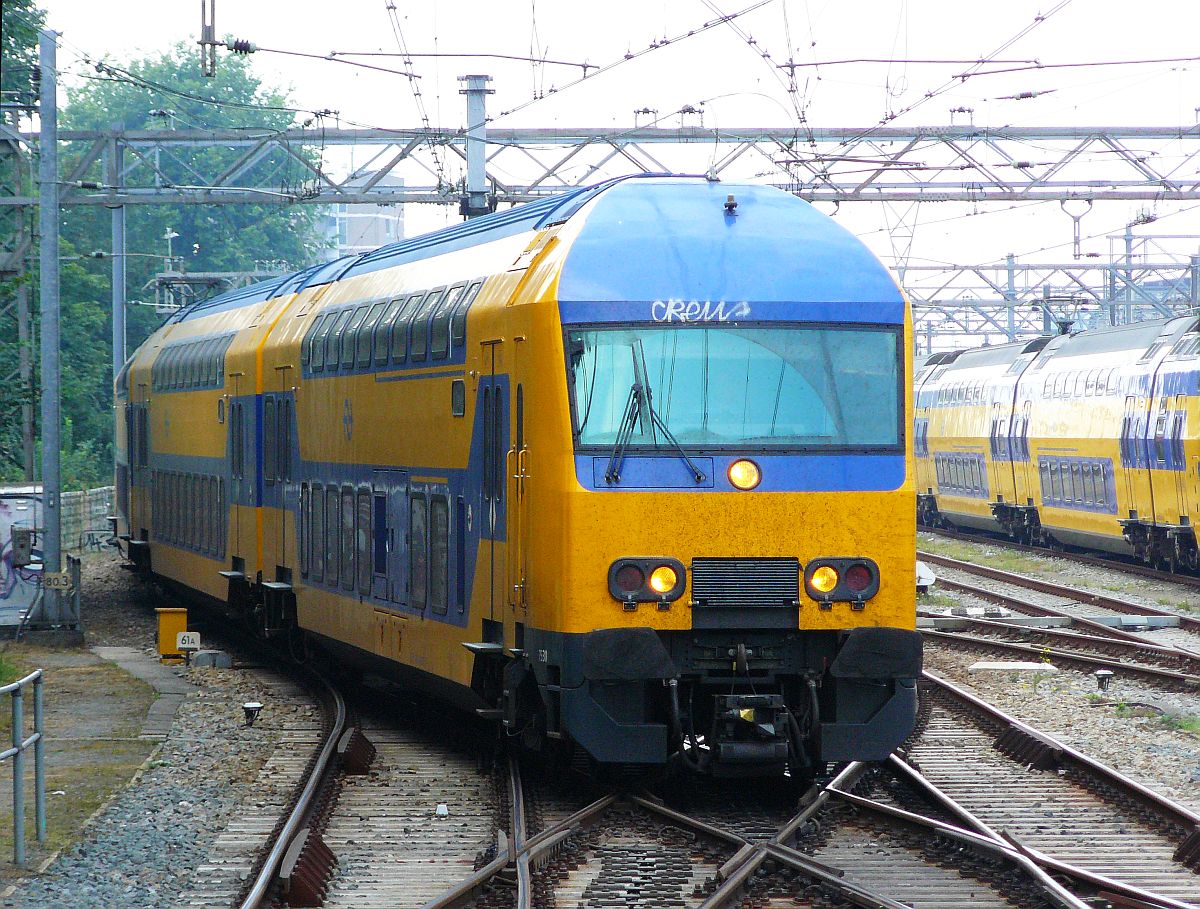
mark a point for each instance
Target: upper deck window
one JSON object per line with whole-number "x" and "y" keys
{"x": 779, "y": 387}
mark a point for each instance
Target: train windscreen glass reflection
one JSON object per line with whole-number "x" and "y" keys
{"x": 735, "y": 387}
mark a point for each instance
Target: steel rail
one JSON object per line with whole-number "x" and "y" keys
{"x": 1169, "y": 811}
{"x": 270, "y": 866}
{"x": 1122, "y": 645}
{"x": 1067, "y": 593}
{"x": 464, "y": 892}
{"x": 1031, "y": 608}
{"x": 754, "y": 854}
{"x": 1037, "y": 865}
{"x": 1153, "y": 673}
{"x": 734, "y": 874}
{"x": 516, "y": 792}
{"x": 931, "y": 791}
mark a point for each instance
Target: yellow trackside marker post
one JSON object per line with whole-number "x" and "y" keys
{"x": 172, "y": 621}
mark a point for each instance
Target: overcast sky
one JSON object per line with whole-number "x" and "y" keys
{"x": 724, "y": 71}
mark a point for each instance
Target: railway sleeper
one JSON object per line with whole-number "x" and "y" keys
{"x": 1029, "y": 749}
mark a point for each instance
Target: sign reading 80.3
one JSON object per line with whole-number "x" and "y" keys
{"x": 56, "y": 580}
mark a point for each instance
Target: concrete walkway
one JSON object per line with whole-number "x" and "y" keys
{"x": 170, "y": 687}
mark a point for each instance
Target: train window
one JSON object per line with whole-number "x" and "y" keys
{"x": 366, "y": 333}
{"x": 316, "y": 536}
{"x": 332, "y": 339}
{"x": 348, "y": 541}
{"x": 1089, "y": 484}
{"x": 213, "y": 515}
{"x": 418, "y": 552}
{"x": 270, "y": 441}
{"x": 285, "y": 438}
{"x": 332, "y": 553}
{"x": 1080, "y": 383}
{"x": 304, "y": 529}
{"x": 458, "y": 323}
{"x": 419, "y": 343}
{"x": 439, "y": 327}
{"x": 205, "y": 514}
{"x": 383, "y": 331}
{"x": 363, "y": 541}
{"x": 1077, "y": 482}
{"x": 381, "y": 536}
{"x": 1056, "y": 482}
{"x": 439, "y": 554}
{"x": 350, "y": 337}
{"x": 460, "y": 551}
{"x": 1090, "y": 388}
{"x": 222, "y": 517}
{"x": 400, "y": 328}
{"x": 314, "y": 346}
{"x": 192, "y": 378}
{"x": 498, "y": 483}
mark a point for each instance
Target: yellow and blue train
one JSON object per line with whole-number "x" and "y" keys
{"x": 627, "y": 468}
{"x": 1089, "y": 439}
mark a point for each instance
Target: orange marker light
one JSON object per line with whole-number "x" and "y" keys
{"x": 824, "y": 579}
{"x": 744, "y": 474}
{"x": 663, "y": 579}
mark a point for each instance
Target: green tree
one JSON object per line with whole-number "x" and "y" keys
{"x": 159, "y": 92}
{"x": 20, "y": 21}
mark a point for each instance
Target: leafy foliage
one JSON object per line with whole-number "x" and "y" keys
{"x": 159, "y": 92}
{"x": 18, "y": 49}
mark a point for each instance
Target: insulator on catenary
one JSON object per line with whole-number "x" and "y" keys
{"x": 241, "y": 46}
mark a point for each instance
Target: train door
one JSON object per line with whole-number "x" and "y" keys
{"x": 1129, "y": 447}
{"x": 1019, "y": 445}
{"x": 494, "y": 487}
{"x": 390, "y": 531}
{"x": 999, "y": 448}
{"x": 1178, "y": 456}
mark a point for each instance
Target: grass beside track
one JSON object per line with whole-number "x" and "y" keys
{"x": 94, "y": 713}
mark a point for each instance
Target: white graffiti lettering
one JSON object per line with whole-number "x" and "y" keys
{"x": 695, "y": 311}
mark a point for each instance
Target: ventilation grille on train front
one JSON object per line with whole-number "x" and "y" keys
{"x": 744, "y": 583}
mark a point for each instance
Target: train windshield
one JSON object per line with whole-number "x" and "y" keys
{"x": 735, "y": 387}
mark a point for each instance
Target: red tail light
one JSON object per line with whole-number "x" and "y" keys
{"x": 858, "y": 577}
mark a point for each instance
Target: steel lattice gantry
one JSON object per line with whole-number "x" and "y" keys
{"x": 875, "y": 164}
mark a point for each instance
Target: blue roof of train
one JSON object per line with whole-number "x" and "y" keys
{"x": 672, "y": 239}
{"x": 632, "y": 248}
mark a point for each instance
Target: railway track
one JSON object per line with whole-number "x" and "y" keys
{"x": 1073, "y": 816}
{"x": 1094, "y": 630}
{"x": 1126, "y": 565}
{"x": 919, "y": 831}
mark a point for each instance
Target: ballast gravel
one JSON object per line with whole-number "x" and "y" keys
{"x": 141, "y": 851}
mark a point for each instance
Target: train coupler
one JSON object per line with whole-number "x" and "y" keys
{"x": 749, "y": 732}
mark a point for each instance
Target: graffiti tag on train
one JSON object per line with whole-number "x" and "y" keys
{"x": 695, "y": 311}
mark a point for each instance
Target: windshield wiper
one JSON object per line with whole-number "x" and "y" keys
{"x": 639, "y": 398}
{"x": 624, "y": 432}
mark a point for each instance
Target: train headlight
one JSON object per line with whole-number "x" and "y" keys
{"x": 840, "y": 580}
{"x": 824, "y": 579}
{"x": 646, "y": 580}
{"x": 663, "y": 579}
{"x": 744, "y": 474}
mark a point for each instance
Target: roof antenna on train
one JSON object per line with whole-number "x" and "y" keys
{"x": 730, "y": 205}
